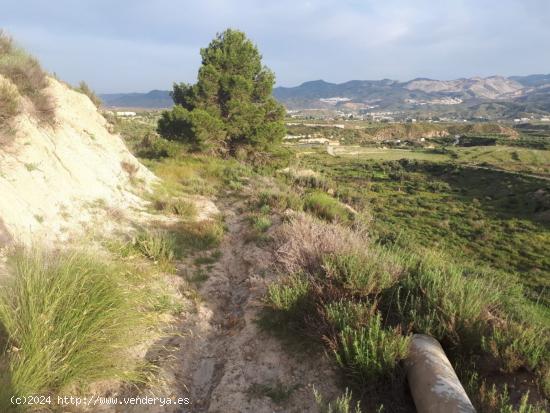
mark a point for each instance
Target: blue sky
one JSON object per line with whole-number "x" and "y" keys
{"x": 139, "y": 45}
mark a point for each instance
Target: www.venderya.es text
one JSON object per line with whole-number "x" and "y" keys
{"x": 99, "y": 401}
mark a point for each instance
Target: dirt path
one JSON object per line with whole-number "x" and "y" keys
{"x": 222, "y": 360}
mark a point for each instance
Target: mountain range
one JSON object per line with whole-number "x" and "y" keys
{"x": 494, "y": 96}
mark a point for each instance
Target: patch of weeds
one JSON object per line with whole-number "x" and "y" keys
{"x": 517, "y": 345}
{"x": 97, "y": 203}
{"x": 491, "y": 399}
{"x": 31, "y": 167}
{"x": 279, "y": 200}
{"x": 344, "y": 314}
{"x": 278, "y": 392}
{"x": 313, "y": 181}
{"x": 209, "y": 259}
{"x": 25, "y": 73}
{"x": 200, "y": 235}
{"x": 199, "y": 276}
{"x": 161, "y": 246}
{"x": 9, "y": 102}
{"x": 176, "y": 206}
{"x": 130, "y": 168}
{"x": 85, "y": 89}
{"x": 156, "y": 245}
{"x": 371, "y": 353}
{"x": 363, "y": 273}
{"x": 291, "y": 295}
{"x": 260, "y": 223}
{"x": 39, "y": 218}
{"x": 343, "y": 404}
{"x": 434, "y": 298}
{"x": 166, "y": 303}
{"x": 326, "y": 207}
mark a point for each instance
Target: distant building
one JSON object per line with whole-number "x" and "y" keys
{"x": 126, "y": 113}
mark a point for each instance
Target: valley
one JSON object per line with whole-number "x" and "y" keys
{"x": 231, "y": 247}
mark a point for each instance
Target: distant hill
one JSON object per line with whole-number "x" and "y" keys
{"x": 494, "y": 96}
{"x": 532, "y": 80}
{"x": 155, "y": 99}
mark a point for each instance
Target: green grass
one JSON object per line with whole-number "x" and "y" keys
{"x": 447, "y": 301}
{"x": 67, "y": 319}
{"x": 365, "y": 274}
{"x": 380, "y": 154}
{"x": 508, "y": 158}
{"x": 493, "y": 218}
{"x": 160, "y": 246}
{"x": 200, "y": 235}
{"x": 371, "y": 353}
{"x": 157, "y": 245}
{"x": 326, "y": 207}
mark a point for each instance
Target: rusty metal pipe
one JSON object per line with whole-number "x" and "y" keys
{"x": 434, "y": 385}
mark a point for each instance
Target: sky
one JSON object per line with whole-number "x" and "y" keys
{"x": 140, "y": 45}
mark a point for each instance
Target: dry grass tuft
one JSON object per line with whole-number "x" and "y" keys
{"x": 9, "y": 102}
{"x": 306, "y": 241}
{"x": 27, "y": 75}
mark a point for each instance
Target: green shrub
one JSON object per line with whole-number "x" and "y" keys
{"x": 363, "y": 272}
{"x": 280, "y": 201}
{"x": 313, "y": 181}
{"x": 371, "y": 353}
{"x": 516, "y": 345}
{"x": 345, "y": 314}
{"x": 152, "y": 146}
{"x": 326, "y": 207}
{"x": 289, "y": 296}
{"x": 68, "y": 318}
{"x": 261, "y": 223}
{"x": 442, "y": 299}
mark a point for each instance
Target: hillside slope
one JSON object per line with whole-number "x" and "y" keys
{"x": 54, "y": 177}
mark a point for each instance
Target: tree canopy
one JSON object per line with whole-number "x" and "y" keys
{"x": 231, "y": 104}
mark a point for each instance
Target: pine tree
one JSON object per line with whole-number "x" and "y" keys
{"x": 231, "y": 104}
